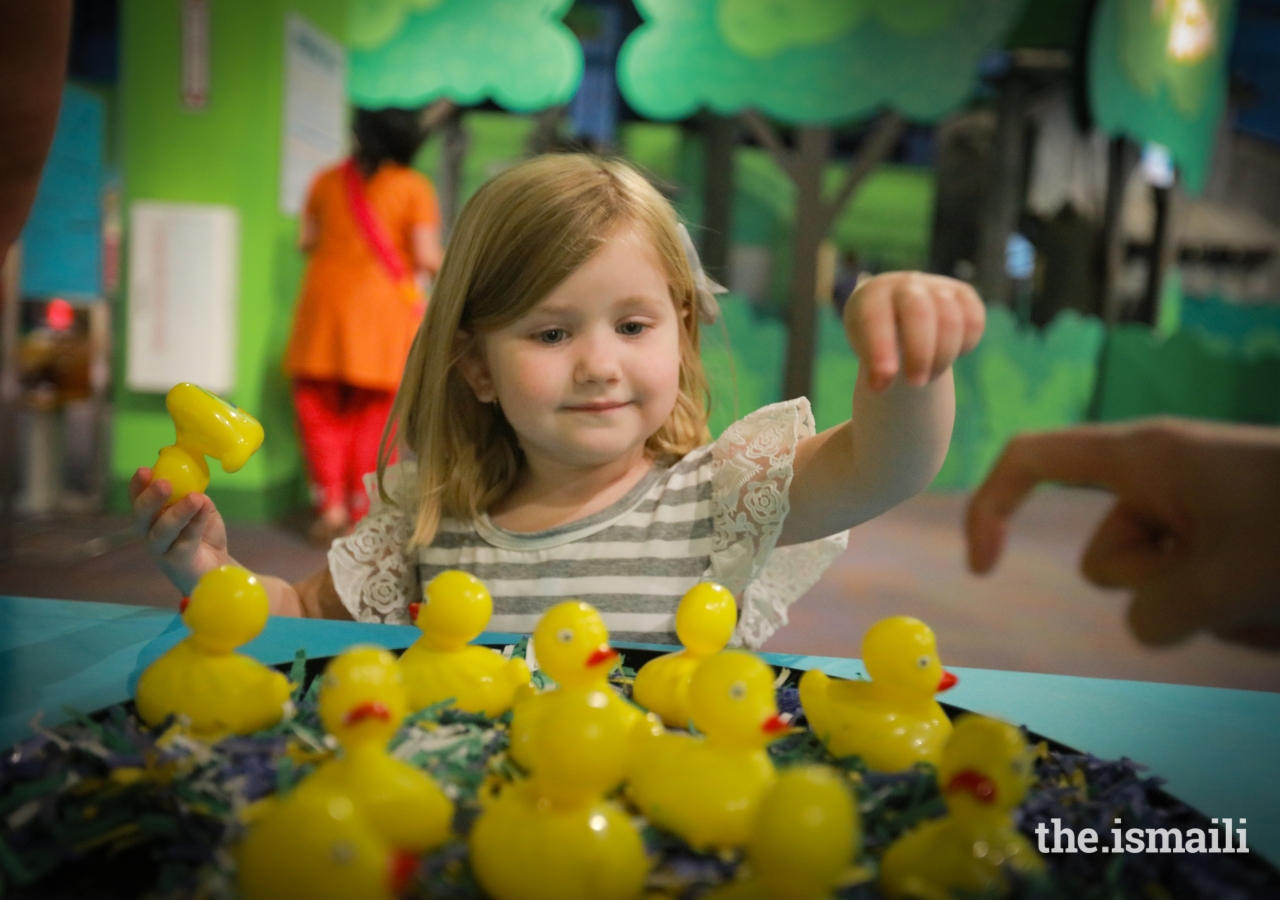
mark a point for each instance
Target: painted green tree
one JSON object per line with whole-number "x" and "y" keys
{"x": 813, "y": 65}
{"x": 1157, "y": 72}
{"x": 517, "y": 53}
{"x": 459, "y": 53}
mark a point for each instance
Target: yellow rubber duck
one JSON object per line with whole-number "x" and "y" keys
{"x": 705, "y": 620}
{"x": 707, "y": 790}
{"x": 804, "y": 839}
{"x": 891, "y": 721}
{"x": 443, "y": 665}
{"x": 571, "y": 644}
{"x": 986, "y": 770}
{"x": 222, "y": 692}
{"x": 362, "y": 703}
{"x": 313, "y": 845}
{"x": 206, "y": 425}
{"x": 554, "y": 836}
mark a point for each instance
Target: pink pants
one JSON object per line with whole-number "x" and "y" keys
{"x": 341, "y": 427}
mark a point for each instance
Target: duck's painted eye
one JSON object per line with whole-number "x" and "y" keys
{"x": 331, "y": 681}
{"x": 565, "y": 635}
{"x": 922, "y": 662}
{"x": 738, "y": 690}
{"x": 342, "y": 853}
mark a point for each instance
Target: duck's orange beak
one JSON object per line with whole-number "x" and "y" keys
{"x": 413, "y": 613}
{"x": 183, "y": 604}
{"x": 601, "y": 655}
{"x": 947, "y": 682}
{"x": 774, "y": 724}
{"x": 370, "y": 709}
{"x": 400, "y": 871}
{"x": 982, "y": 788}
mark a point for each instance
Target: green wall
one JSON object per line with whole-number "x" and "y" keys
{"x": 228, "y": 153}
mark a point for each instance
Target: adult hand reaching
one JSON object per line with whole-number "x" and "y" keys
{"x": 1194, "y": 532}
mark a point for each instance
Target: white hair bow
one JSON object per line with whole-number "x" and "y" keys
{"x": 706, "y": 288}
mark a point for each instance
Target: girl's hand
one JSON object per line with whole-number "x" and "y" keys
{"x": 187, "y": 539}
{"x": 926, "y": 321}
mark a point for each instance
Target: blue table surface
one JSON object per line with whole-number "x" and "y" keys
{"x": 1217, "y": 748}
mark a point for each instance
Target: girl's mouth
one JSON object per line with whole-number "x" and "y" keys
{"x": 598, "y": 407}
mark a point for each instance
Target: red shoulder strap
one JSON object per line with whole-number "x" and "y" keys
{"x": 374, "y": 232}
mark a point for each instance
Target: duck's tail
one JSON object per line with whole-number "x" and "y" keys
{"x": 813, "y": 697}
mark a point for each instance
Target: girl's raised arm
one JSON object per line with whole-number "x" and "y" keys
{"x": 907, "y": 329}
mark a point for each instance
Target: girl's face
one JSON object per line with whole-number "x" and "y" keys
{"x": 592, "y": 371}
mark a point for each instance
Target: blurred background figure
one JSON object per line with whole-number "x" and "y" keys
{"x": 371, "y": 229}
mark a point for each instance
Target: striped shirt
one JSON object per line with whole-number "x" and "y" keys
{"x": 713, "y": 515}
{"x": 632, "y": 561}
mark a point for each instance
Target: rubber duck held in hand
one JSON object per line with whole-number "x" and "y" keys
{"x": 571, "y": 644}
{"x": 314, "y": 845}
{"x": 705, "y": 620}
{"x": 362, "y": 703}
{"x": 805, "y": 837}
{"x": 985, "y": 772}
{"x": 202, "y": 678}
{"x": 554, "y": 836}
{"x": 443, "y": 665}
{"x": 206, "y": 425}
{"x": 891, "y": 721}
{"x": 707, "y": 789}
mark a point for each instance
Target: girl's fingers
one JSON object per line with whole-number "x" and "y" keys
{"x": 138, "y": 483}
{"x": 170, "y": 523}
{"x": 149, "y": 504}
{"x": 950, "y": 333}
{"x": 188, "y": 539}
{"x": 875, "y": 336}
{"x": 917, "y": 317}
{"x": 975, "y": 317}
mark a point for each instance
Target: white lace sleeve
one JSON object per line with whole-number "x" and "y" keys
{"x": 373, "y": 571}
{"x": 750, "y": 485}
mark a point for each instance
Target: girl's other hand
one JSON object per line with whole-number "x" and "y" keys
{"x": 913, "y": 322}
{"x": 187, "y": 539}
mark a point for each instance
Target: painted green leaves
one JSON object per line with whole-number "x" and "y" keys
{"x": 515, "y": 52}
{"x": 808, "y": 61}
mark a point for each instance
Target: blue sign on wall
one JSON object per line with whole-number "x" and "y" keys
{"x": 62, "y": 241}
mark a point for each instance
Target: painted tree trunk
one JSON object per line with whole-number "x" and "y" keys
{"x": 449, "y": 190}
{"x": 719, "y": 135}
{"x": 813, "y": 149}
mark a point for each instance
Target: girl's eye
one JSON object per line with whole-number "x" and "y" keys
{"x": 923, "y": 662}
{"x": 551, "y": 336}
{"x": 631, "y": 329}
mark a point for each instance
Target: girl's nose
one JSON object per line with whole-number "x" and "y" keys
{"x": 597, "y": 361}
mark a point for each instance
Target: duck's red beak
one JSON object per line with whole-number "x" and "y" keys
{"x": 947, "y": 682}
{"x": 400, "y": 871}
{"x": 183, "y": 604}
{"x": 601, "y": 655}
{"x": 413, "y": 613}
{"x": 982, "y": 788}
{"x": 370, "y": 709}
{"x": 774, "y": 724}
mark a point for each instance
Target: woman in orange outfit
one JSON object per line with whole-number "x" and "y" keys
{"x": 372, "y": 231}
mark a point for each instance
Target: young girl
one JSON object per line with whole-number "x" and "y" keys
{"x": 554, "y": 407}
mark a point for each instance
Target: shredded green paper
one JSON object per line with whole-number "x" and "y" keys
{"x": 102, "y": 806}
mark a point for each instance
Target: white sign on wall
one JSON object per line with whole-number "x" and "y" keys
{"x": 183, "y": 295}
{"x": 315, "y": 112}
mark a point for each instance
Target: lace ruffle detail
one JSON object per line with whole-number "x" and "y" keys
{"x": 752, "y": 468}
{"x": 374, "y": 575}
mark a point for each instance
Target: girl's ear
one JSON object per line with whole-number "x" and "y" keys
{"x": 472, "y": 366}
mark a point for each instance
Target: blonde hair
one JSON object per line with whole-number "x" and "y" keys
{"x": 517, "y": 239}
